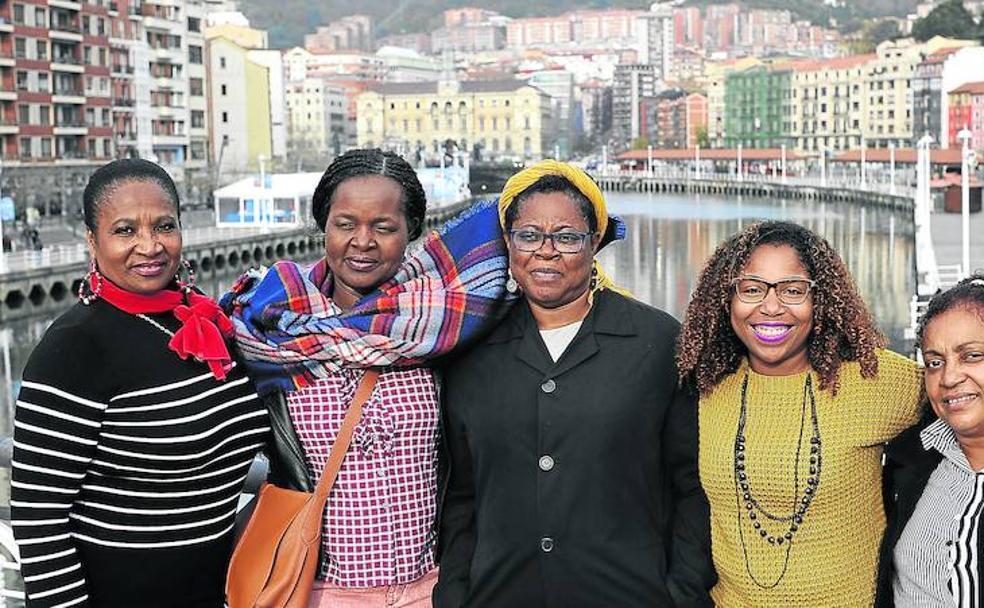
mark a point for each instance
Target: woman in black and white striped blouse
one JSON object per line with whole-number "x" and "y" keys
{"x": 933, "y": 552}
{"x": 133, "y": 430}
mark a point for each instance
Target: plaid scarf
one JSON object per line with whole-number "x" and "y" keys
{"x": 289, "y": 333}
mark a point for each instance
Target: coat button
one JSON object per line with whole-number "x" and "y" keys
{"x": 546, "y": 462}
{"x": 546, "y": 544}
{"x": 549, "y": 386}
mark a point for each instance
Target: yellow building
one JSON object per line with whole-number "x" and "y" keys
{"x": 501, "y": 118}
{"x": 246, "y": 37}
{"x": 828, "y": 106}
{"x": 886, "y": 88}
{"x": 239, "y": 108}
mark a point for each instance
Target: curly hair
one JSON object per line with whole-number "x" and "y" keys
{"x": 968, "y": 293}
{"x": 843, "y": 330}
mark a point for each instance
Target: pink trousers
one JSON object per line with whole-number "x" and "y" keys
{"x": 411, "y": 595}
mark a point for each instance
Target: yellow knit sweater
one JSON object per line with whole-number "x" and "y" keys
{"x": 834, "y": 554}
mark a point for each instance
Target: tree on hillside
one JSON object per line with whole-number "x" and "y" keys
{"x": 949, "y": 19}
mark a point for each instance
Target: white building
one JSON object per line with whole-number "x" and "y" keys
{"x": 960, "y": 68}
{"x": 407, "y": 65}
{"x": 655, "y": 39}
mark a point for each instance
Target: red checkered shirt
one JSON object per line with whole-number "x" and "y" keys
{"x": 378, "y": 528}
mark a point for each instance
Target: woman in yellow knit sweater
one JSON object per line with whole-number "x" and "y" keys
{"x": 797, "y": 398}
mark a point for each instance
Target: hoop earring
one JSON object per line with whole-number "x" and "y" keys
{"x": 190, "y": 271}
{"x": 87, "y": 293}
{"x": 511, "y": 285}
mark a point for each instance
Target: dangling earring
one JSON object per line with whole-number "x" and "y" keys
{"x": 511, "y": 285}
{"x": 87, "y": 293}
{"x": 594, "y": 279}
{"x": 190, "y": 271}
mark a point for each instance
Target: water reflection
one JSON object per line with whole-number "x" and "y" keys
{"x": 670, "y": 238}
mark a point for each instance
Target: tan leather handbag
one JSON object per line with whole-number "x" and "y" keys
{"x": 276, "y": 560}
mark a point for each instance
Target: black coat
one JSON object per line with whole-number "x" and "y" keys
{"x": 575, "y": 483}
{"x": 908, "y": 467}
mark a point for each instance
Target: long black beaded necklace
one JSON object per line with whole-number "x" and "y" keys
{"x": 745, "y": 498}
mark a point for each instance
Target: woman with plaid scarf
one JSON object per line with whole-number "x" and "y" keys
{"x": 308, "y": 334}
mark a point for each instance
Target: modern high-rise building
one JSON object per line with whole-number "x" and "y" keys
{"x": 654, "y": 33}
{"x": 633, "y": 82}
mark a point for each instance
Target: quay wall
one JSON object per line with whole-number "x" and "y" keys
{"x": 50, "y": 285}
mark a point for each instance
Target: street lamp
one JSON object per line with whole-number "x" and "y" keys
{"x": 928, "y": 279}
{"x": 966, "y": 158}
{"x": 783, "y": 162}
{"x": 649, "y": 160}
{"x": 741, "y": 176}
{"x": 697, "y": 161}
{"x": 891, "y": 168}
{"x": 864, "y": 173}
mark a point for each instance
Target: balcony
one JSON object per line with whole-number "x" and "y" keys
{"x": 6, "y": 27}
{"x": 67, "y": 63}
{"x": 66, "y": 30}
{"x": 9, "y": 126}
{"x": 122, "y": 70}
{"x": 120, "y": 102}
{"x": 69, "y": 5}
{"x": 75, "y": 98}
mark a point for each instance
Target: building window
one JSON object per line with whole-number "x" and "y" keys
{"x": 196, "y": 86}
{"x": 194, "y": 24}
{"x": 44, "y": 115}
{"x": 222, "y": 62}
{"x": 25, "y": 147}
{"x": 223, "y": 89}
{"x": 19, "y": 13}
{"x": 225, "y": 117}
{"x": 24, "y": 114}
{"x": 45, "y": 147}
{"x": 21, "y": 81}
{"x": 198, "y": 119}
{"x": 194, "y": 54}
{"x": 20, "y": 48}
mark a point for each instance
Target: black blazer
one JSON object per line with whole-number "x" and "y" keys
{"x": 575, "y": 483}
{"x": 908, "y": 468}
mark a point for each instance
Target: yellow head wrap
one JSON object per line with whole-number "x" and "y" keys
{"x": 580, "y": 180}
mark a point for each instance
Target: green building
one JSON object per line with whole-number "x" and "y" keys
{"x": 758, "y": 107}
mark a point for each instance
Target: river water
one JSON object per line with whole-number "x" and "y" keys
{"x": 670, "y": 236}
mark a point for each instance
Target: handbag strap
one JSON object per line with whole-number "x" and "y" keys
{"x": 344, "y": 438}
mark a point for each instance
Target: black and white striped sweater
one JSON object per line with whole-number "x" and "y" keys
{"x": 128, "y": 463}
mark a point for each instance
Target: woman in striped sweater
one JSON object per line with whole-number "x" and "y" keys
{"x": 134, "y": 430}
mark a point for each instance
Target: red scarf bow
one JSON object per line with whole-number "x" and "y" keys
{"x": 204, "y": 327}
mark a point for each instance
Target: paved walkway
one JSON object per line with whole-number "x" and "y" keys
{"x": 946, "y": 228}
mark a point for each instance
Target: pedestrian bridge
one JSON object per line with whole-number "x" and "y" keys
{"x": 874, "y": 192}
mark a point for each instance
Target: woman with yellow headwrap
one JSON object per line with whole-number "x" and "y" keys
{"x": 573, "y": 453}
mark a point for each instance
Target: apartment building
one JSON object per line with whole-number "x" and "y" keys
{"x": 713, "y": 80}
{"x": 967, "y": 112}
{"x": 56, "y": 92}
{"x": 653, "y": 31}
{"x": 239, "y": 109}
{"x": 758, "y": 107}
{"x": 828, "y": 104}
{"x": 351, "y": 33}
{"x": 632, "y": 83}
{"x": 495, "y": 119}
{"x": 317, "y": 122}
{"x": 674, "y": 119}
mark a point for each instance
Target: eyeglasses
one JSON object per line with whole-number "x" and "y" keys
{"x": 530, "y": 240}
{"x": 789, "y": 291}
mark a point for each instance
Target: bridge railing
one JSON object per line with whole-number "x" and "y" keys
{"x": 877, "y": 183}
{"x": 76, "y": 253}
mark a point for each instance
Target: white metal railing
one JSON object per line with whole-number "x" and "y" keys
{"x": 9, "y": 562}
{"x": 875, "y": 183}
{"x": 949, "y": 275}
{"x": 57, "y": 255}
